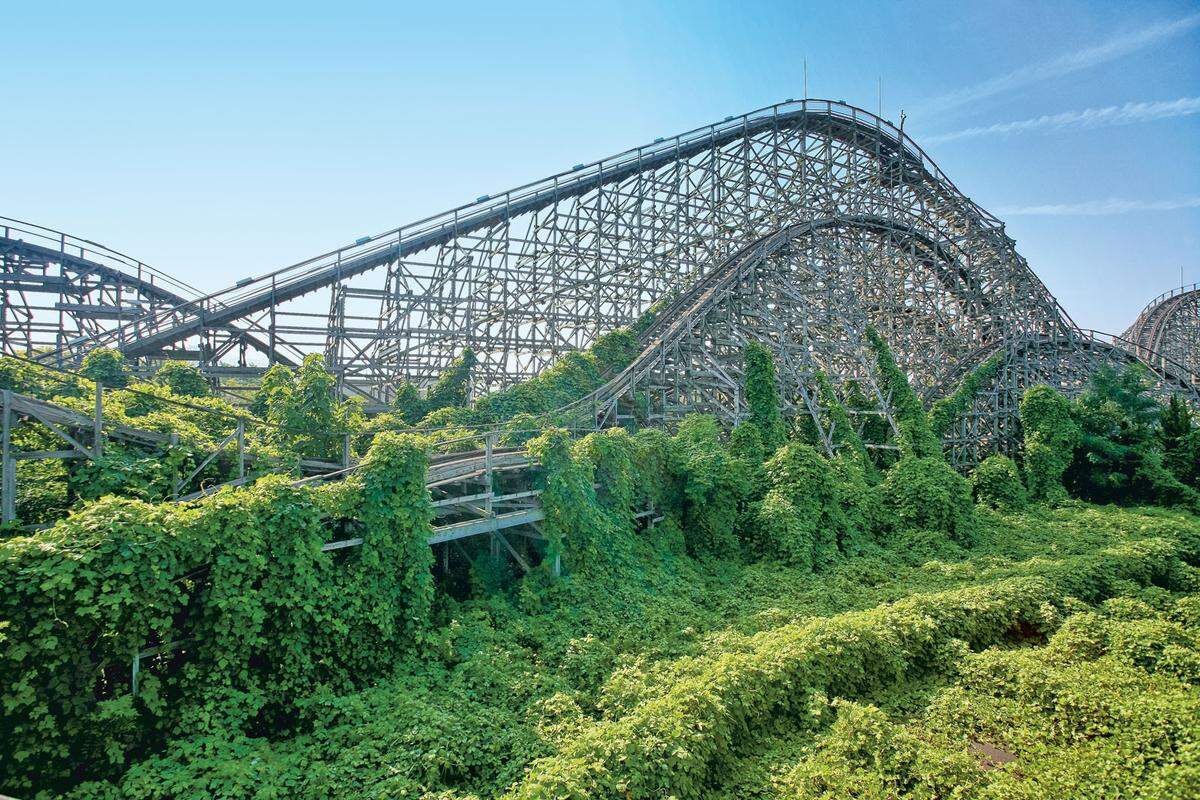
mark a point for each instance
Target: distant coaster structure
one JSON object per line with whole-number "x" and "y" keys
{"x": 796, "y": 225}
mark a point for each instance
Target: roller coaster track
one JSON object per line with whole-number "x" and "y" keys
{"x": 93, "y": 292}
{"x": 682, "y": 369}
{"x": 461, "y": 482}
{"x": 537, "y": 271}
{"x": 796, "y": 225}
{"x": 1169, "y": 328}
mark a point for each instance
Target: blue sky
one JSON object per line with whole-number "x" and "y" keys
{"x": 217, "y": 140}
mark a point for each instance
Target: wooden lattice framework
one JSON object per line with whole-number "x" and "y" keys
{"x": 796, "y": 224}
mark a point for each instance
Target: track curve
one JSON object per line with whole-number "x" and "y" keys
{"x": 1169, "y": 328}
{"x": 542, "y": 269}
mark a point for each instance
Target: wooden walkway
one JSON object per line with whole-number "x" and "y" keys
{"x": 462, "y": 485}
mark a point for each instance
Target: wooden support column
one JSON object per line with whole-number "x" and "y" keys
{"x": 98, "y": 423}
{"x": 491, "y": 490}
{"x": 241, "y": 445}
{"x": 175, "y": 481}
{"x": 8, "y": 478}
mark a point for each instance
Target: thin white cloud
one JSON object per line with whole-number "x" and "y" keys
{"x": 1098, "y": 208}
{"x": 1065, "y": 64}
{"x": 1087, "y": 118}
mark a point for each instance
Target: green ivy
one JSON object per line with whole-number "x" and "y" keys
{"x": 105, "y": 366}
{"x": 715, "y": 486}
{"x": 762, "y": 395}
{"x": 182, "y": 379}
{"x": 843, "y": 432}
{"x": 996, "y": 482}
{"x": 946, "y": 410}
{"x": 915, "y": 437}
{"x": 927, "y": 493}
{"x": 1050, "y": 438}
{"x": 249, "y": 612}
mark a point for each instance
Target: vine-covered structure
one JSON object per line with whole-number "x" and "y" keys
{"x": 795, "y": 225}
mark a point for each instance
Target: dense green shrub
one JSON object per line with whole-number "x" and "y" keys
{"x": 409, "y": 404}
{"x": 658, "y": 486}
{"x": 274, "y": 389}
{"x": 240, "y": 577}
{"x": 309, "y": 418}
{"x": 615, "y": 350}
{"x": 715, "y": 485}
{"x": 1119, "y": 456}
{"x": 676, "y": 741}
{"x": 798, "y": 518}
{"x": 579, "y": 531}
{"x": 182, "y": 379}
{"x": 612, "y": 455}
{"x": 106, "y": 367}
{"x": 1179, "y": 438}
{"x": 571, "y": 377}
{"x": 927, "y": 493}
{"x": 453, "y": 387}
{"x": 1100, "y": 711}
{"x": 1050, "y": 438}
{"x": 38, "y": 381}
{"x": 996, "y": 482}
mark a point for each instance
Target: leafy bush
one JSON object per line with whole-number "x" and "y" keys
{"x": 571, "y": 377}
{"x": 799, "y": 518}
{"x": 240, "y": 577}
{"x": 1074, "y": 718}
{"x": 715, "y": 485}
{"x": 573, "y": 512}
{"x": 675, "y": 742}
{"x": 106, "y": 367}
{"x": 182, "y": 379}
{"x": 1179, "y": 438}
{"x": 453, "y": 387}
{"x": 1050, "y": 438}
{"x": 928, "y": 493}
{"x": 1119, "y": 457}
{"x": 274, "y": 390}
{"x": 409, "y": 404}
{"x": 995, "y": 482}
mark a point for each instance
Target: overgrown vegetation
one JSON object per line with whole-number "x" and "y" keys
{"x": 710, "y": 612}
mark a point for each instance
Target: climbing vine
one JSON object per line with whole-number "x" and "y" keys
{"x": 946, "y": 410}
{"x": 231, "y": 602}
{"x": 916, "y": 438}
{"x": 1050, "y": 438}
{"x": 996, "y": 482}
{"x": 762, "y": 395}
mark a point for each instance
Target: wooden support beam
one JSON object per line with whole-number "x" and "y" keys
{"x": 8, "y": 481}
{"x": 86, "y": 451}
{"x": 343, "y": 543}
{"x": 461, "y": 530}
{"x": 220, "y": 447}
{"x": 524, "y": 564}
{"x": 40, "y": 455}
{"x": 98, "y": 423}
